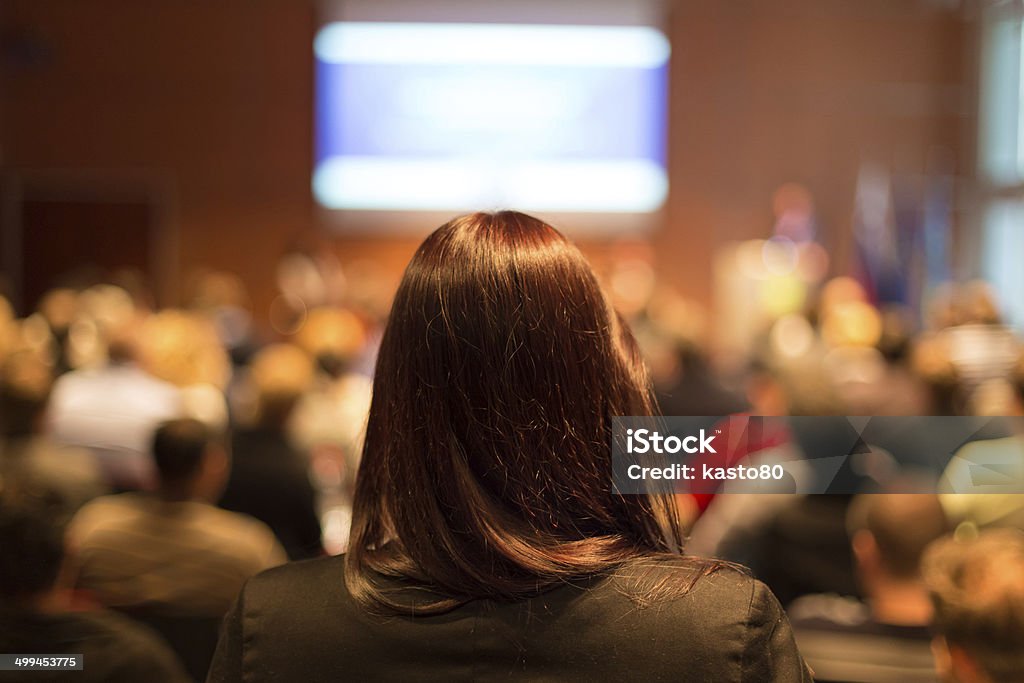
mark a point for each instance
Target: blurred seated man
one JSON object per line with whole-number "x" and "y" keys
{"x": 269, "y": 476}
{"x": 977, "y": 587}
{"x": 172, "y": 553}
{"x": 36, "y": 616}
{"x": 32, "y": 466}
{"x": 112, "y": 410}
{"x": 773, "y": 532}
{"x": 886, "y": 638}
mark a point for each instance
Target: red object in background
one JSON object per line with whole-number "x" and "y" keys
{"x": 744, "y": 435}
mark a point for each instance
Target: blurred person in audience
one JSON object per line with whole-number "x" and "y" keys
{"x": 269, "y": 476}
{"x": 977, "y": 588}
{"x": 968, "y": 347}
{"x": 102, "y": 313}
{"x": 31, "y": 464}
{"x": 689, "y": 386}
{"x": 885, "y": 637}
{"x": 58, "y": 308}
{"x": 767, "y": 395}
{"x": 669, "y": 330}
{"x": 770, "y": 443}
{"x": 804, "y": 549}
{"x": 330, "y": 418}
{"x": 797, "y": 544}
{"x": 873, "y": 376}
{"x": 222, "y": 297}
{"x": 37, "y": 615}
{"x": 983, "y": 483}
{"x": 487, "y": 540}
{"x": 309, "y": 272}
{"x": 862, "y": 351}
{"x": 183, "y": 349}
{"x": 113, "y": 409}
{"x": 171, "y": 552}
{"x": 802, "y": 546}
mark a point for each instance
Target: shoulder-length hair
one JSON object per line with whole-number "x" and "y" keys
{"x": 486, "y": 470}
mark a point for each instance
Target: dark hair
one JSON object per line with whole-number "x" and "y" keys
{"x": 33, "y": 549}
{"x": 486, "y": 470}
{"x": 902, "y": 525}
{"x": 178, "y": 449}
{"x": 978, "y": 595}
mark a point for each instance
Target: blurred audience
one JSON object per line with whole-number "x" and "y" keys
{"x": 269, "y": 476}
{"x": 795, "y": 543}
{"x": 88, "y": 378}
{"x": 172, "y": 552}
{"x": 37, "y": 615}
{"x": 330, "y": 417}
{"x": 183, "y": 349}
{"x": 992, "y": 470}
{"x": 223, "y": 299}
{"x": 487, "y": 539}
{"x": 112, "y": 410}
{"x": 885, "y": 637}
{"x": 977, "y": 587}
{"x": 32, "y": 465}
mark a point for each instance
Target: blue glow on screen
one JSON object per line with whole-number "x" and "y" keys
{"x": 463, "y": 116}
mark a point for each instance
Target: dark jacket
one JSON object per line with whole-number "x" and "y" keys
{"x": 270, "y": 481}
{"x": 298, "y": 623}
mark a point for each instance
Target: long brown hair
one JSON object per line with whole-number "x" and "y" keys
{"x": 486, "y": 471}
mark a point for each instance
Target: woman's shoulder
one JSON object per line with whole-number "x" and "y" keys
{"x": 712, "y": 618}
{"x": 653, "y": 592}
{"x": 714, "y": 613}
{"x": 673, "y": 576}
{"x": 682, "y": 589}
{"x": 657, "y": 581}
{"x": 298, "y": 576}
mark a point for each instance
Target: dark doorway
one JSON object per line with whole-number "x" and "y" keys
{"x": 64, "y": 234}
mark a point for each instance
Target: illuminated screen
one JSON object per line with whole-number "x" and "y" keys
{"x": 425, "y": 116}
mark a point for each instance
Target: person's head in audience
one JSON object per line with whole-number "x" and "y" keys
{"x": 334, "y": 337}
{"x": 59, "y": 307}
{"x": 25, "y": 383}
{"x": 776, "y": 389}
{"x": 977, "y": 587}
{"x": 184, "y": 349}
{"x": 280, "y": 374}
{"x": 889, "y": 533}
{"x": 123, "y": 344}
{"x": 191, "y": 461}
{"x": 38, "y": 612}
{"x": 32, "y": 555}
{"x": 486, "y": 470}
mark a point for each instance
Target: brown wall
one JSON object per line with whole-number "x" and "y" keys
{"x": 214, "y": 99}
{"x": 211, "y": 98}
{"x": 801, "y": 90}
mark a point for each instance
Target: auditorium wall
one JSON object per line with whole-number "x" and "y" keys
{"x": 206, "y": 107}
